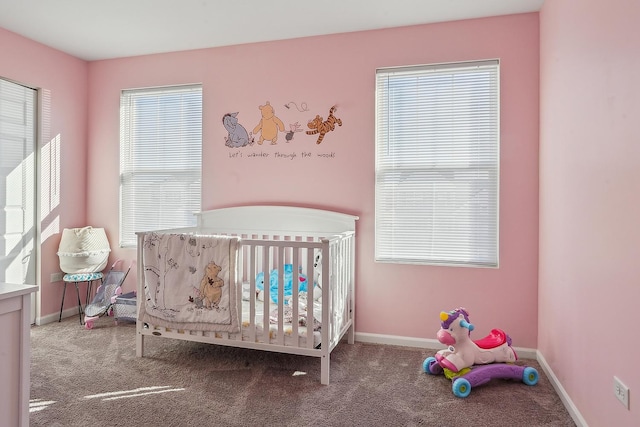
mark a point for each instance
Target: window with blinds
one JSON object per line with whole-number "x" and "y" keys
{"x": 437, "y": 164}
{"x": 18, "y": 178}
{"x": 160, "y": 159}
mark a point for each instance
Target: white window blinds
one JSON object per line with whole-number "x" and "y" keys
{"x": 18, "y": 146}
{"x": 437, "y": 164}
{"x": 160, "y": 159}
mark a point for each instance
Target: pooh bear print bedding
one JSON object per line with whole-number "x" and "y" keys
{"x": 190, "y": 282}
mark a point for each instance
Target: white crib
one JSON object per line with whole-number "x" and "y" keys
{"x": 270, "y": 238}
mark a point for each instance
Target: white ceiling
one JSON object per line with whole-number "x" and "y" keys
{"x": 103, "y": 29}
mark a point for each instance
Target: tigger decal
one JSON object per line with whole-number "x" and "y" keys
{"x": 320, "y": 127}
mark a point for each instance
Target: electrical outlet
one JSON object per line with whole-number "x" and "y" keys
{"x": 56, "y": 277}
{"x": 621, "y": 391}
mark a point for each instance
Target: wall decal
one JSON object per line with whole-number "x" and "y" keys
{"x": 238, "y": 136}
{"x": 269, "y": 125}
{"x": 295, "y": 127}
{"x": 268, "y": 129}
{"x": 322, "y": 127}
{"x": 302, "y": 104}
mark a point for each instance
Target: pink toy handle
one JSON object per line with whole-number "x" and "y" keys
{"x": 121, "y": 260}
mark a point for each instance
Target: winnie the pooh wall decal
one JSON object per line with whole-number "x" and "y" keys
{"x": 237, "y": 135}
{"x": 320, "y": 127}
{"x": 269, "y": 125}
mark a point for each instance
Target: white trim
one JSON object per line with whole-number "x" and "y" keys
{"x": 439, "y": 66}
{"x": 398, "y": 340}
{"x": 562, "y": 393}
{"x": 37, "y": 205}
{"x": 53, "y": 317}
{"x": 523, "y": 352}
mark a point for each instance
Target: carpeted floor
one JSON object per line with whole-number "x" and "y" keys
{"x": 92, "y": 377}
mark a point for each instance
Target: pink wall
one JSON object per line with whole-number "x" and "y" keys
{"x": 63, "y": 80}
{"x": 402, "y": 300}
{"x": 589, "y": 208}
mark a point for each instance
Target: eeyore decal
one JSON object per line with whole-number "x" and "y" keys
{"x": 238, "y": 135}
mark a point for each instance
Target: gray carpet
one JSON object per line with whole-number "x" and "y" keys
{"x": 92, "y": 377}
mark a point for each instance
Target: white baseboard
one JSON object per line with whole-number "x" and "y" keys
{"x": 397, "y": 340}
{"x": 53, "y": 317}
{"x": 566, "y": 400}
{"x": 523, "y": 353}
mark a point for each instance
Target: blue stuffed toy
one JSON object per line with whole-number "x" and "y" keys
{"x": 288, "y": 282}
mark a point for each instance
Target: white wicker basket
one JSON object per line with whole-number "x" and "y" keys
{"x": 83, "y": 250}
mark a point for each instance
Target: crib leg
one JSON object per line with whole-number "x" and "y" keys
{"x": 139, "y": 344}
{"x": 324, "y": 369}
{"x": 351, "y": 334}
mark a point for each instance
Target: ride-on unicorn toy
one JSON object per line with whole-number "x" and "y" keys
{"x": 471, "y": 363}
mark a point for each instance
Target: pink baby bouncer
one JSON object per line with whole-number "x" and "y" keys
{"x": 106, "y": 295}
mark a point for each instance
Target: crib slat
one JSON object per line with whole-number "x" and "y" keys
{"x": 327, "y": 295}
{"x": 266, "y": 292}
{"x": 295, "y": 298}
{"x": 252, "y": 292}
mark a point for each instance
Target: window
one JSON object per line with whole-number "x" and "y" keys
{"x": 18, "y": 177}
{"x": 160, "y": 159}
{"x": 437, "y": 164}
